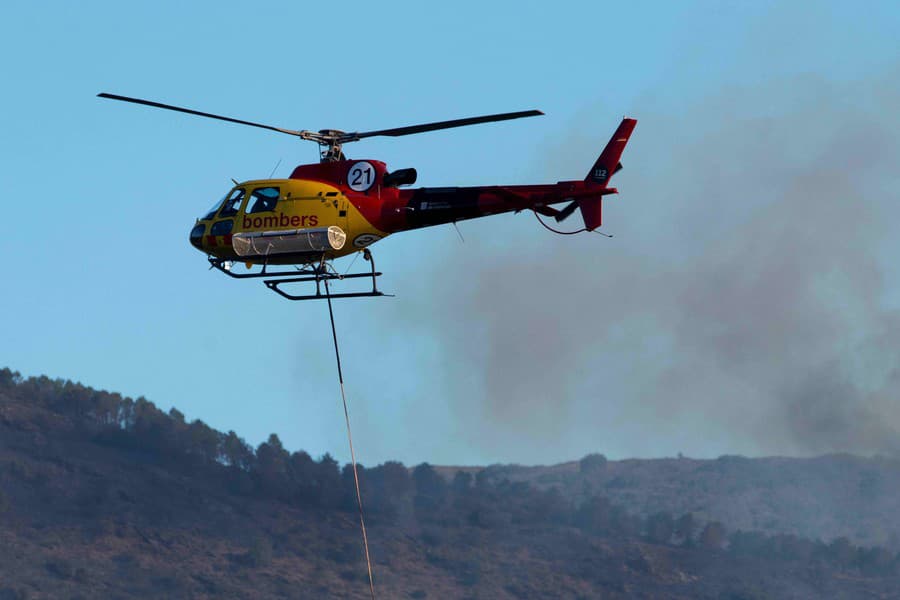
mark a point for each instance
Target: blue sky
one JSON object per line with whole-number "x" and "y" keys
{"x": 102, "y": 287}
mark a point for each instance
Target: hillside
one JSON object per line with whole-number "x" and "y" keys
{"x": 103, "y": 496}
{"x": 825, "y": 497}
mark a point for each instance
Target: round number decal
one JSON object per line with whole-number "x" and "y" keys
{"x": 361, "y": 176}
{"x": 365, "y": 239}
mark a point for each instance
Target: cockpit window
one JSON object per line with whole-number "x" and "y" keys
{"x": 232, "y": 203}
{"x": 262, "y": 200}
{"x": 213, "y": 209}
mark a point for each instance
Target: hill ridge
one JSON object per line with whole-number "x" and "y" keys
{"x": 103, "y": 495}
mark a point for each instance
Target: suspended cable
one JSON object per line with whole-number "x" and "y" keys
{"x": 582, "y": 230}
{"x": 362, "y": 521}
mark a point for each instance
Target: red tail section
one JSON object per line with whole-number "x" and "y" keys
{"x": 606, "y": 166}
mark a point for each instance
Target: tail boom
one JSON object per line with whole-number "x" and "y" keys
{"x": 424, "y": 207}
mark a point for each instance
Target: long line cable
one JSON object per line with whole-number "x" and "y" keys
{"x": 362, "y": 521}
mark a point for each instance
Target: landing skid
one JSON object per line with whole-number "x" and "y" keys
{"x": 318, "y": 273}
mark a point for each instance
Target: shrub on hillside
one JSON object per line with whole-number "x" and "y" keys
{"x": 660, "y": 527}
{"x": 684, "y": 528}
{"x": 712, "y": 536}
{"x": 592, "y": 463}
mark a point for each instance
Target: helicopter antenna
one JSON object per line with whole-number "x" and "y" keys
{"x": 274, "y": 168}
{"x": 331, "y": 141}
{"x": 458, "y": 232}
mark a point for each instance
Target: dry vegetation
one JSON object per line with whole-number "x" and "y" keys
{"x": 107, "y": 497}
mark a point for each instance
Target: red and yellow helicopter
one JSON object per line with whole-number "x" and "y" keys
{"x": 340, "y": 206}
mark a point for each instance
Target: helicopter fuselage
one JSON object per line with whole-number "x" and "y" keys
{"x": 333, "y": 209}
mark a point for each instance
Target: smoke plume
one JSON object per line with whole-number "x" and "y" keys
{"x": 748, "y": 303}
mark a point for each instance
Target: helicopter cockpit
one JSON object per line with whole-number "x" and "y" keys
{"x": 227, "y": 206}
{"x": 233, "y": 198}
{"x": 262, "y": 199}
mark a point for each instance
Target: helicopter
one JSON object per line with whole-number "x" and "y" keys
{"x": 294, "y": 228}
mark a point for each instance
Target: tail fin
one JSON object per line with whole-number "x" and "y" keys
{"x": 608, "y": 161}
{"x": 606, "y": 166}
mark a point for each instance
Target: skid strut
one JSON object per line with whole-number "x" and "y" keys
{"x": 317, "y": 274}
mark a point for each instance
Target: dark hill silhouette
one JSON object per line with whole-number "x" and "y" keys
{"x": 103, "y": 496}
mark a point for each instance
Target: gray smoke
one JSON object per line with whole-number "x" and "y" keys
{"x": 748, "y": 303}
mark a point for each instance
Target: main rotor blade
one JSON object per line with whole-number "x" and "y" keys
{"x": 198, "y": 113}
{"x": 398, "y": 131}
